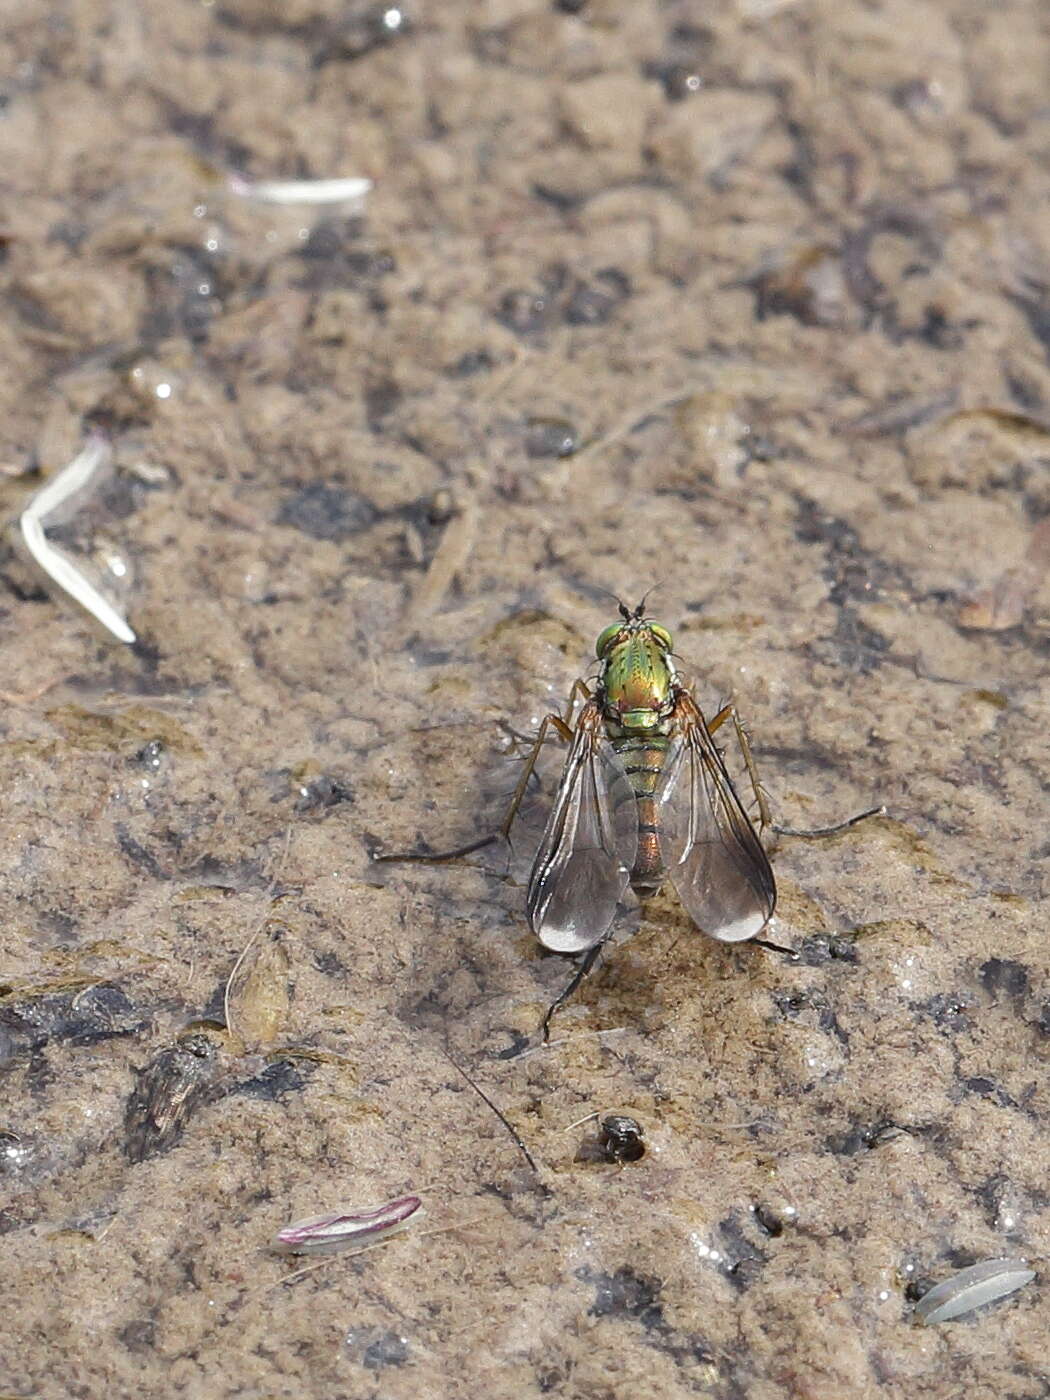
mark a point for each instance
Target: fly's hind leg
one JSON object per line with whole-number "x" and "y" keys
{"x": 764, "y": 815}
{"x": 564, "y": 731}
{"x": 582, "y": 968}
{"x": 792, "y": 953}
{"x": 815, "y": 833}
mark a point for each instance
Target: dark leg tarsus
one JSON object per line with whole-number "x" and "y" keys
{"x": 817, "y": 832}
{"x": 775, "y": 947}
{"x": 583, "y": 967}
{"x": 466, "y": 850}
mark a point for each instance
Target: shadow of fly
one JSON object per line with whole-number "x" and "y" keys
{"x": 645, "y": 796}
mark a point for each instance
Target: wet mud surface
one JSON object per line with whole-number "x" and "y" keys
{"x": 751, "y": 300}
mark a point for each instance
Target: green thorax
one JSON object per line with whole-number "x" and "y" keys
{"x": 638, "y": 678}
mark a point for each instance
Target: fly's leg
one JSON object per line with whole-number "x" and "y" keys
{"x": 818, "y": 831}
{"x": 503, "y": 831}
{"x": 764, "y": 815}
{"x": 582, "y": 968}
{"x": 563, "y": 730}
{"x": 578, "y": 688}
{"x": 455, "y": 854}
{"x": 775, "y": 947}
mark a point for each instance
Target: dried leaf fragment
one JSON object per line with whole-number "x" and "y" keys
{"x": 257, "y": 995}
{"x": 74, "y": 478}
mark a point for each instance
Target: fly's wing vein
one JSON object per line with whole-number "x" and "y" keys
{"x": 584, "y": 862}
{"x": 714, "y": 858}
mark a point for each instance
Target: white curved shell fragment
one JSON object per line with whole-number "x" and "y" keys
{"x": 327, "y": 1234}
{"x": 972, "y": 1288}
{"x": 72, "y": 478}
{"x": 336, "y": 191}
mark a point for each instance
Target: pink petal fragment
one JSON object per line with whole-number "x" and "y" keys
{"x": 326, "y": 1234}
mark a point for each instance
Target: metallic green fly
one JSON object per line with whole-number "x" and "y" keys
{"x": 645, "y": 796}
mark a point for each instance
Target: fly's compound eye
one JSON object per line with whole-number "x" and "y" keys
{"x": 662, "y": 636}
{"x": 606, "y": 639}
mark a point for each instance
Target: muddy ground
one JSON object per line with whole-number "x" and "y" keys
{"x": 750, "y": 300}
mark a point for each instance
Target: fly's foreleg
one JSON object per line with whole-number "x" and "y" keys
{"x": 578, "y": 688}
{"x": 564, "y": 731}
{"x": 563, "y": 728}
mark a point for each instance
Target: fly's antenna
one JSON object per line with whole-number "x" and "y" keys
{"x": 640, "y": 609}
{"x": 625, "y": 611}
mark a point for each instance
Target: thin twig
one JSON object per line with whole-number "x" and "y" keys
{"x": 14, "y": 697}
{"x": 585, "y": 1119}
{"x": 236, "y": 968}
{"x": 499, "y": 1114}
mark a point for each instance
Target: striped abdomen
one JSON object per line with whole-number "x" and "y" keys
{"x": 643, "y": 762}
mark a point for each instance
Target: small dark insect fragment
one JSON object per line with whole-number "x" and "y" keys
{"x": 360, "y": 30}
{"x": 167, "y": 1092}
{"x": 322, "y": 793}
{"x": 620, "y": 1138}
{"x": 151, "y": 755}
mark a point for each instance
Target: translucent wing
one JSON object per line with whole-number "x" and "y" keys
{"x": 584, "y": 862}
{"x": 712, "y": 854}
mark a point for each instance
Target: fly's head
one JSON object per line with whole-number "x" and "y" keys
{"x": 638, "y": 675}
